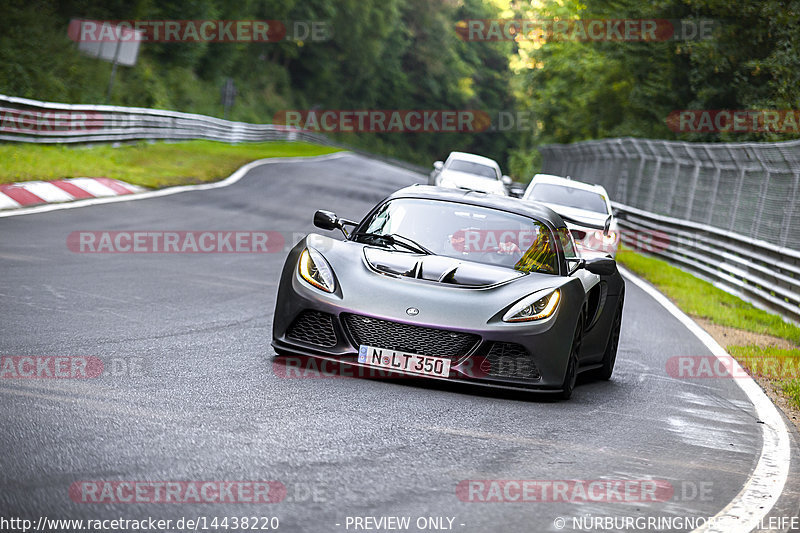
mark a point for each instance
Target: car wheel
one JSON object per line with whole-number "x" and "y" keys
{"x": 610, "y": 355}
{"x": 571, "y": 376}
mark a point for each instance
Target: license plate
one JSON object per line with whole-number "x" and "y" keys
{"x": 407, "y": 363}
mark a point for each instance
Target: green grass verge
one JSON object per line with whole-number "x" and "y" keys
{"x": 791, "y": 389}
{"x": 774, "y": 364}
{"x": 701, "y": 299}
{"x": 768, "y": 361}
{"x": 152, "y": 165}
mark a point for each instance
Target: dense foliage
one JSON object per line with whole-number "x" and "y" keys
{"x": 406, "y": 54}
{"x": 384, "y": 54}
{"x": 589, "y": 90}
{"x": 581, "y": 90}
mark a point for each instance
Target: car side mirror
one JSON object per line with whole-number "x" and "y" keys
{"x": 329, "y": 221}
{"x": 326, "y": 220}
{"x": 438, "y": 165}
{"x": 506, "y": 181}
{"x": 602, "y": 266}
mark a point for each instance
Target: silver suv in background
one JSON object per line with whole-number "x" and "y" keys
{"x": 470, "y": 171}
{"x": 583, "y": 206}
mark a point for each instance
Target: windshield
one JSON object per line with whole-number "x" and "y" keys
{"x": 468, "y": 232}
{"x": 569, "y": 197}
{"x": 472, "y": 168}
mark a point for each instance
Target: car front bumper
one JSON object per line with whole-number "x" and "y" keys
{"x": 482, "y": 348}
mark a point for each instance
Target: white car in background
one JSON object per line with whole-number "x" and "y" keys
{"x": 584, "y": 207}
{"x": 470, "y": 171}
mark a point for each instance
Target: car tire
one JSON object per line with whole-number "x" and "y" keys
{"x": 571, "y": 376}
{"x": 610, "y": 355}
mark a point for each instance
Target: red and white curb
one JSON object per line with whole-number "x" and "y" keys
{"x": 230, "y": 180}
{"x": 27, "y": 193}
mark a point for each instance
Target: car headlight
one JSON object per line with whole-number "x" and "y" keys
{"x": 315, "y": 269}
{"x": 537, "y": 306}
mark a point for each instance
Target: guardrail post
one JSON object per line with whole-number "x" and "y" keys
{"x": 693, "y": 187}
{"x": 763, "y": 188}
{"x": 639, "y": 177}
{"x": 676, "y": 177}
{"x": 714, "y": 187}
{"x": 735, "y": 206}
{"x": 621, "y": 188}
{"x": 651, "y": 197}
{"x": 788, "y": 210}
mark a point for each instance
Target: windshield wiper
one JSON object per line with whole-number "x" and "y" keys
{"x": 393, "y": 239}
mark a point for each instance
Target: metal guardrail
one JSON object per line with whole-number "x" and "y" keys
{"x": 24, "y": 120}
{"x": 748, "y": 188}
{"x": 727, "y": 212}
{"x": 33, "y": 121}
{"x": 756, "y": 271}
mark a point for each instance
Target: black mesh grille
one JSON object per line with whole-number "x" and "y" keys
{"x": 313, "y": 327}
{"x": 409, "y": 338}
{"x": 509, "y": 360}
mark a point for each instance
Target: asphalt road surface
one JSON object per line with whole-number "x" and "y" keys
{"x": 191, "y": 392}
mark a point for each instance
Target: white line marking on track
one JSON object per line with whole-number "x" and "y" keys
{"x": 230, "y": 180}
{"x": 765, "y": 485}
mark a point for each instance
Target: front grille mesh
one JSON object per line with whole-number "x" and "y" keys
{"x": 313, "y": 327}
{"x": 509, "y": 360}
{"x": 409, "y": 338}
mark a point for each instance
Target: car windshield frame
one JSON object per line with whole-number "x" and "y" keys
{"x": 578, "y": 192}
{"x": 525, "y": 260}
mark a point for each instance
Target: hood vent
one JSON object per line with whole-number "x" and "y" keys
{"x": 438, "y": 268}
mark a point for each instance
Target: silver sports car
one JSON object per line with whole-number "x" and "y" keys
{"x": 452, "y": 285}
